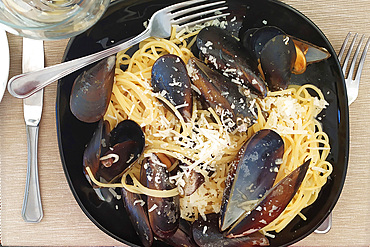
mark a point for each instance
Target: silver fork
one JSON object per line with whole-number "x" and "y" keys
{"x": 182, "y": 15}
{"x": 352, "y": 85}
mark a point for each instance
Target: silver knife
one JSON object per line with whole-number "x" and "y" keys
{"x": 33, "y": 59}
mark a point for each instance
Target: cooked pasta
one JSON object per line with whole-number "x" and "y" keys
{"x": 292, "y": 113}
{"x": 203, "y": 143}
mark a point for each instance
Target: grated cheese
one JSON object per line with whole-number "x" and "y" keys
{"x": 152, "y": 208}
{"x": 141, "y": 202}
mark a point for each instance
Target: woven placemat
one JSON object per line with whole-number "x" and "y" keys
{"x": 64, "y": 223}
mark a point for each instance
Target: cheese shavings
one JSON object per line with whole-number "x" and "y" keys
{"x": 287, "y": 113}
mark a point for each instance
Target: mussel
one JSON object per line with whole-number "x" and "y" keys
{"x": 91, "y": 91}
{"x": 224, "y": 96}
{"x": 171, "y": 80}
{"x": 276, "y": 53}
{"x": 183, "y": 237}
{"x": 207, "y": 234}
{"x": 227, "y": 55}
{"x": 279, "y": 55}
{"x": 137, "y": 213}
{"x": 110, "y": 153}
{"x": 251, "y": 175}
{"x": 192, "y": 181}
{"x": 271, "y": 205}
{"x": 164, "y": 213}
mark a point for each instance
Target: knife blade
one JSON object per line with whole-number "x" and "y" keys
{"x": 33, "y": 59}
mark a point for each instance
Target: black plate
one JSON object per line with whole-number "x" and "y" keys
{"x": 124, "y": 20}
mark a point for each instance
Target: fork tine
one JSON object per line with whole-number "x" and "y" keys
{"x": 179, "y": 27}
{"x": 190, "y": 17}
{"x": 354, "y": 59}
{"x": 182, "y": 5}
{"x": 189, "y": 10}
{"x": 346, "y": 60}
{"x": 362, "y": 60}
{"x": 341, "y": 51}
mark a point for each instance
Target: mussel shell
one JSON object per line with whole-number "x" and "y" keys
{"x": 128, "y": 130}
{"x": 251, "y": 174}
{"x": 207, "y": 234}
{"x": 171, "y": 80}
{"x": 91, "y": 91}
{"x": 260, "y": 37}
{"x": 313, "y": 53}
{"x": 192, "y": 179}
{"x": 164, "y": 213}
{"x": 192, "y": 182}
{"x": 182, "y": 237}
{"x": 276, "y": 53}
{"x": 137, "y": 214}
{"x": 224, "y": 96}
{"x": 277, "y": 61}
{"x": 226, "y": 54}
{"x": 246, "y": 36}
{"x": 92, "y": 153}
{"x": 127, "y": 140}
{"x": 128, "y": 152}
{"x": 271, "y": 205}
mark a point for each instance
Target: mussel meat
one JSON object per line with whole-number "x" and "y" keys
{"x": 171, "y": 80}
{"x": 91, "y": 91}
{"x": 192, "y": 181}
{"x": 251, "y": 175}
{"x": 227, "y": 55}
{"x": 109, "y": 154}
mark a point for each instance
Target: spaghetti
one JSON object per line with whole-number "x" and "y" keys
{"x": 203, "y": 143}
{"x": 292, "y": 113}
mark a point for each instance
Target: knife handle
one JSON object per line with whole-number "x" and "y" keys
{"x": 32, "y": 209}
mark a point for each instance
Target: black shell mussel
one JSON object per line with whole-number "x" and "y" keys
{"x": 110, "y": 153}
{"x": 227, "y": 55}
{"x": 276, "y": 54}
{"x": 91, "y": 91}
{"x": 171, "y": 80}
{"x": 151, "y": 216}
{"x": 251, "y": 175}
{"x": 164, "y": 213}
{"x": 279, "y": 55}
{"x": 250, "y": 200}
{"x": 183, "y": 237}
{"x": 137, "y": 212}
{"x": 227, "y": 98}
{"x": 207, "y": 234}
{"x": 271, "y": 205}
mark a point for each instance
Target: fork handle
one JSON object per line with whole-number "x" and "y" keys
{"x": 32, "y": 208}
{"x": 24, "y": 85}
